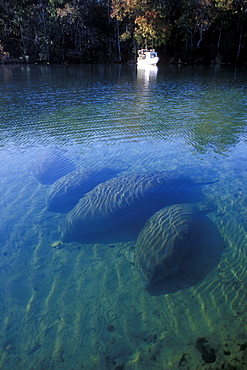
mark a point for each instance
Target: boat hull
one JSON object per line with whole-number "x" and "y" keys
{"x": 152, "y": 61}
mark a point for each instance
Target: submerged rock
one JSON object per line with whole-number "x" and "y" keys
{"x": 57, "y": 245}
{"x": 165, "y": 239}
{"x": 207, "y": 352}
{"x": 127, "y": 202}
{"x": 65, "y": 193}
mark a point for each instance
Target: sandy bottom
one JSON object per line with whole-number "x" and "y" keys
{"x": 85, "y": 306}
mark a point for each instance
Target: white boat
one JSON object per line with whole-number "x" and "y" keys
{"x": 147, "y": 57}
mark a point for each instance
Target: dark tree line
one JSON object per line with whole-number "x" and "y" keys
{"x": 187, "y": 31}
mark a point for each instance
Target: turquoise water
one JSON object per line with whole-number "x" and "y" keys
{"x": 84, "y": 305}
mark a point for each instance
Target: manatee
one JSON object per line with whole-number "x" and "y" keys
{"x": 165, "y": 240}
{"x": 65, "y": 193}
{"x": 126, "y": 202}
{"x": 51, "y": 166}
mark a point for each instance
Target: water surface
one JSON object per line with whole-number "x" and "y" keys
{"x": 85, "y": 305}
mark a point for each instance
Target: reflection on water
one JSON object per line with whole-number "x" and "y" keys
{"x": 146, "y": 74}
{"x": 99, "y": 103}
{"x": 83, "y": 304}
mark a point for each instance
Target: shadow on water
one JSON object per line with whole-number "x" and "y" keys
{"x": 203, "y": 257}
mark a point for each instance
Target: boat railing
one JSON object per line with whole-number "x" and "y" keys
{"x": 143, "y": 51}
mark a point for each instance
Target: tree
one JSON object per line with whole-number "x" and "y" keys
{"x": 89, "y": 30}
{"x": 143, "y": 19}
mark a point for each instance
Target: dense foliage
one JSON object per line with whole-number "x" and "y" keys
{"x": 190, "y": 31}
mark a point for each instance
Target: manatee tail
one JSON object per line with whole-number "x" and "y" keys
{"x": 207, "y": 182}
{"x": 206, "y": 208}
{"x": 200, "y": 175}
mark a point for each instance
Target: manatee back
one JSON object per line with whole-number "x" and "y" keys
{"x": 65, "y": 193}
{"x": 129, "y": 198}
{"x": 165, "y": 239}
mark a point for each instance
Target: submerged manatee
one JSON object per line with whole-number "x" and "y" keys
{"x": 65, "y": 193}
{"x": 51, "y": 166}
{"x": 165, "y": 239}
{"x": 127, "y": 200}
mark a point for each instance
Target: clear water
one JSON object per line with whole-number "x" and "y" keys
{"x": 84, "y": 306}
